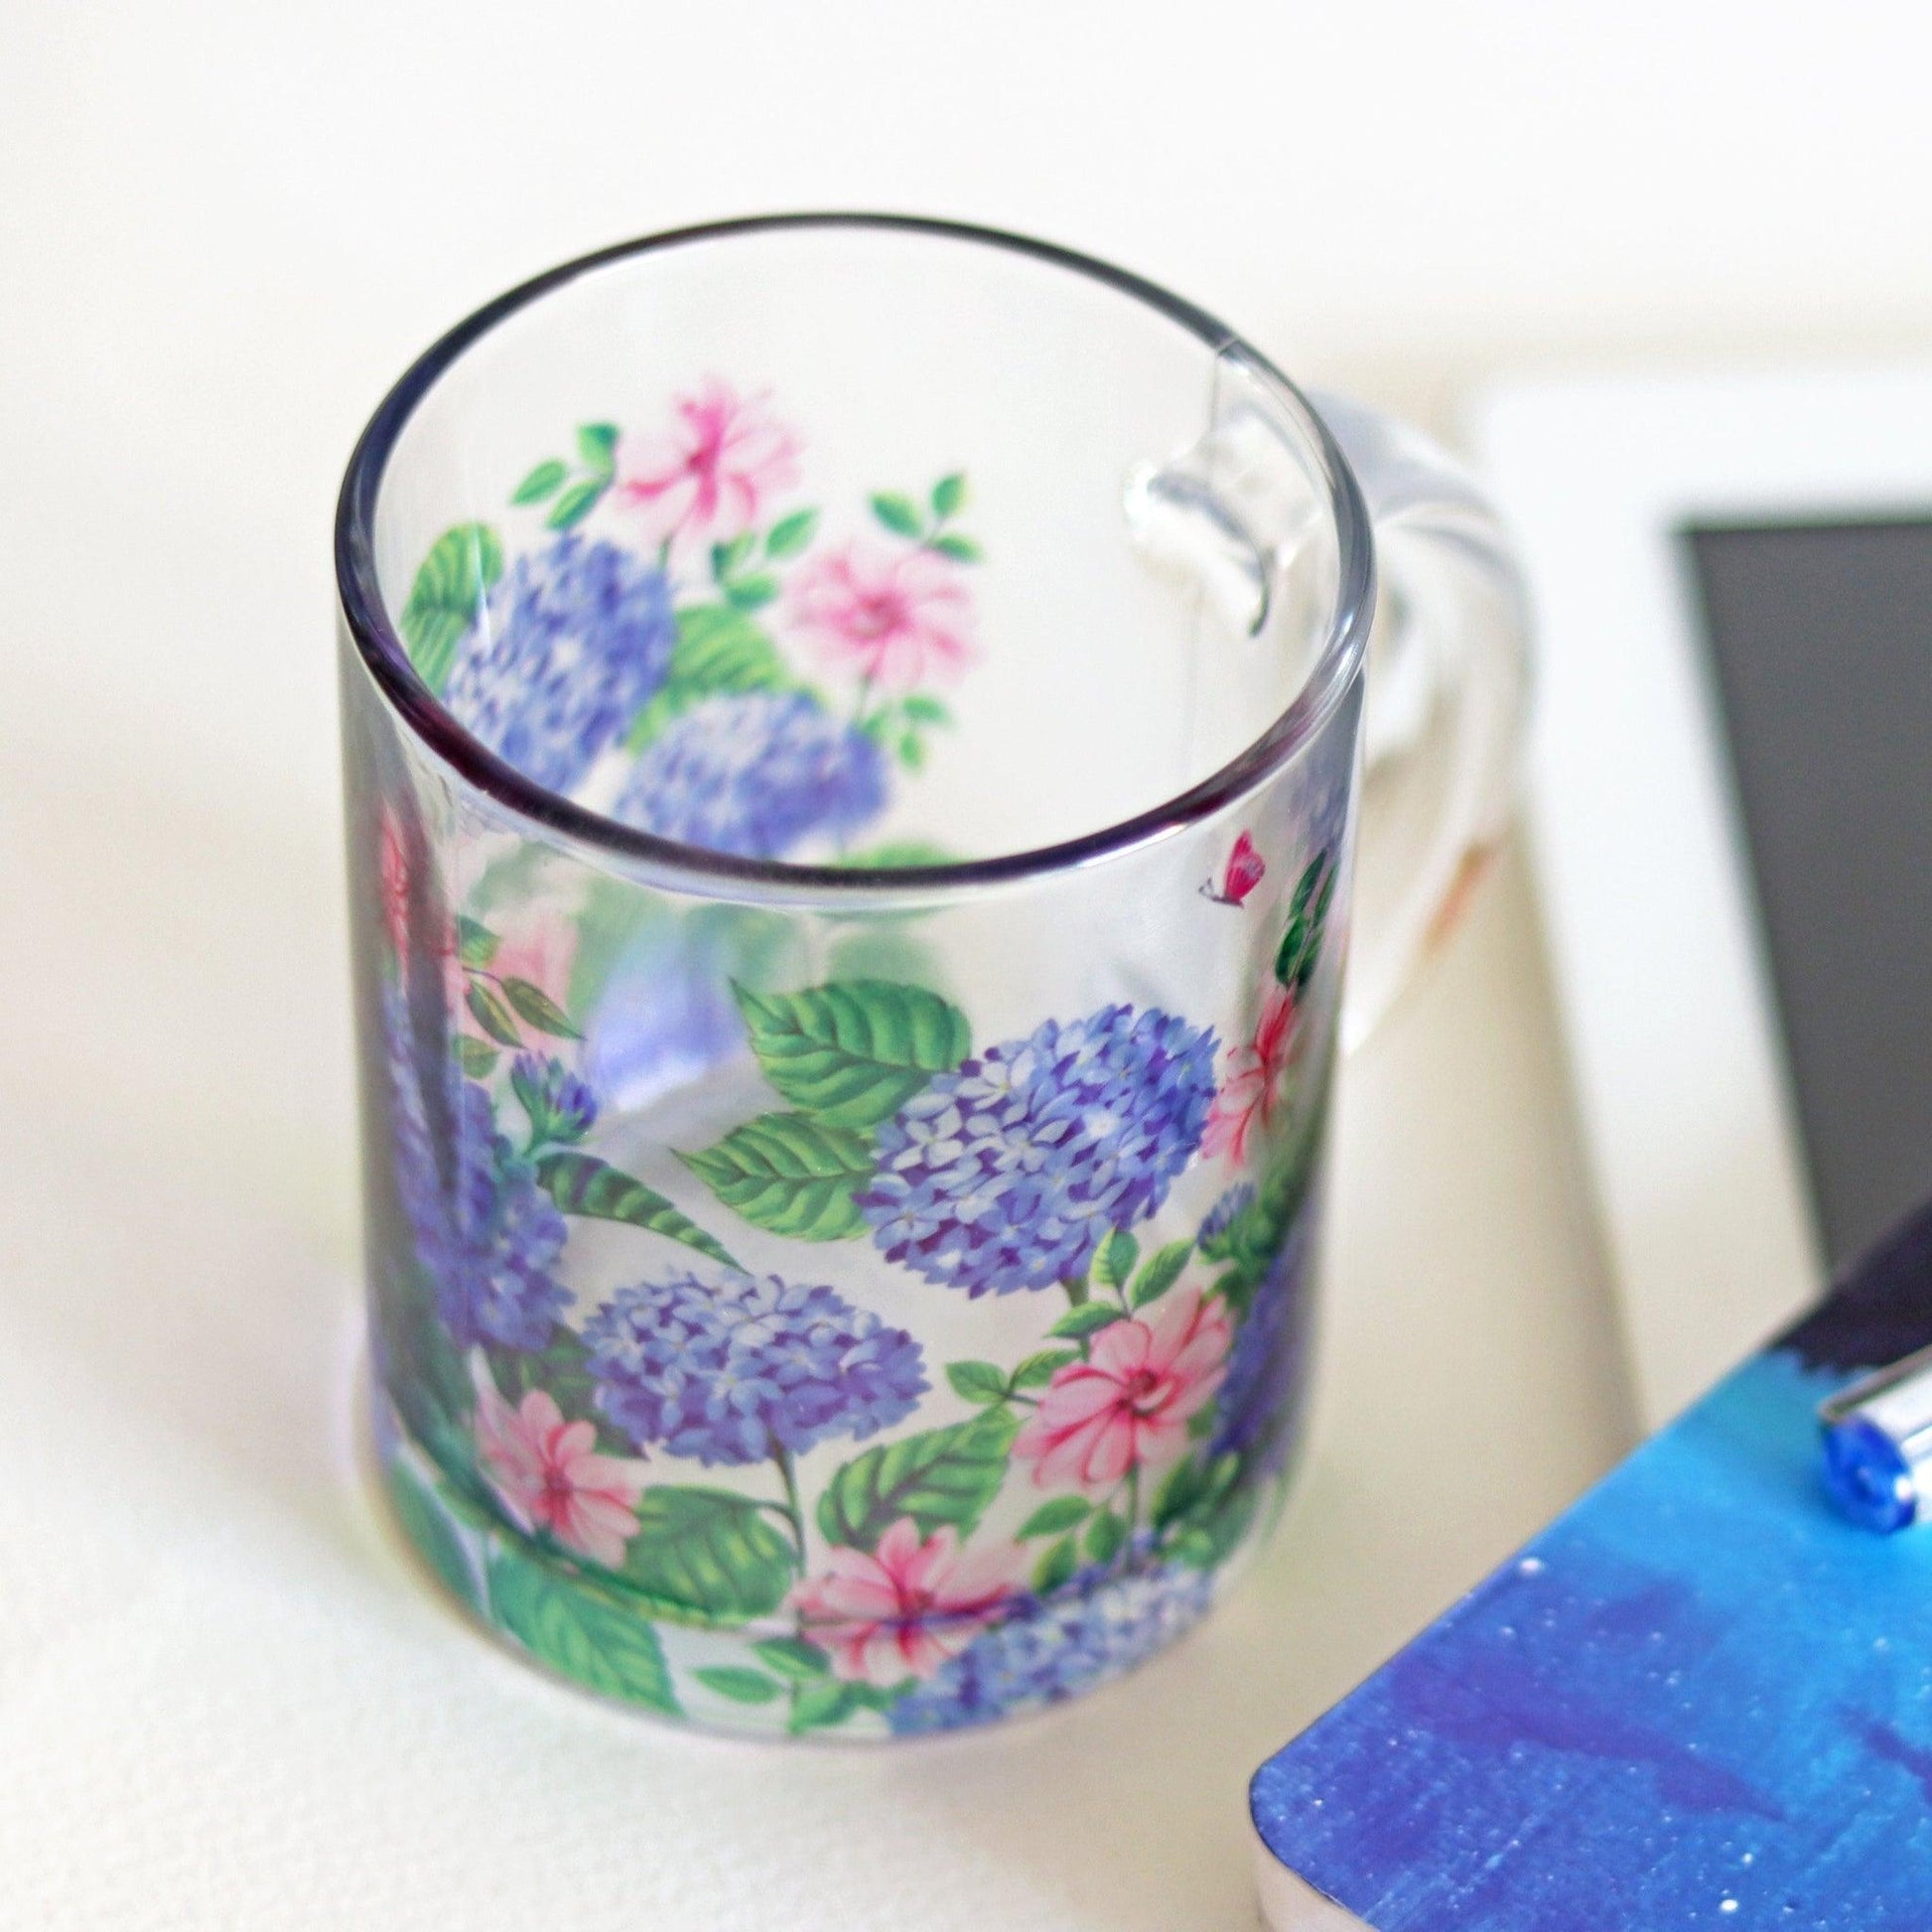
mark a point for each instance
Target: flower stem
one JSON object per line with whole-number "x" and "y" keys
{"x": 794, "y": 1514}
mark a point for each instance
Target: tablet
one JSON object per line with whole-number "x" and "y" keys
{"x": 1731, "y": 816}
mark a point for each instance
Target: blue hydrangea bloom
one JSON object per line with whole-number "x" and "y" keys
{"x": 558, "y": 1106}
{"x": 574, "y": 639}
{"x": 1102, "y": 1624}
{"x": 1009, "y": 1173}
{"x": 756, "y": 773}
{"x": 735, "y": 1370}
{"x": 1261, "y": 1394}
{"x": 1232, "y": 1205}
{"x": 483, "y": 1228}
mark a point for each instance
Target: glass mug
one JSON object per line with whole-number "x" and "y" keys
{"x": 855, "y": 733}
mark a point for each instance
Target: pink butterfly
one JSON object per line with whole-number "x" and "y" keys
{"x": 1239, "y": 876}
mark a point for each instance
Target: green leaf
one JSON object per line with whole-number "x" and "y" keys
{"x": 950, "y": 496}
{"x": 978, "y": 1381}
{"x": 740, "y": 1685}
{"x": 789, "y": 1174}
{"x": 1056, "y": 1568}
{"x": 476, "y": 944}
{"x": 1085, "y": 1321}
{"x": 926, "y": 711}
{"x": 710, "y": 1553}
{"x": 793, "y": 1657}
{"x": 1041, "y": 1368}
{"x": 1105, "y": 1534}
{"x": 1181, "y": 1488}
{"x": 726, "y": 557}
{"x": 854, "y": 1052}
{"x": 476, "y": 1056}
{"x": 561, "y": 1368}
{"x": 1208, "y": 1542}
{"x": 597, "y": 445}
{"x": 542, "y": 482}
{"x": 1308, "y": 912}
{"x": 791, "y": 534}
{"x": 717, "y": 649}
{"x": 898, "y": 855}
{"x": 1115, "y": 1261}
{"x": 937, "y": 1477}
{"x": 427, "y": 1525}
{"x": 491, "y": 1014}
{"x": 581, "y": 1183}
{"x": 818, "y": 1707}
{"x": 1163, "y": 1268}
{"x": 963, "y": 550}
{"x": 911, "y": 754}
{"x": 900, "y": 515}
{"x": 751, "y": 593}
{"x": 599, "y": 1642}
{"x": 447, "y": 596}
{"x": 1050, "y": 1518}
{"x": 576, "y": 504}
{"x": 539, "y": 1009}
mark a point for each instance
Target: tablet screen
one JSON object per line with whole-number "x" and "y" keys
{"x": 1819, "y": 638}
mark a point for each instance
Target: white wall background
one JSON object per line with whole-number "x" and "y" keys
{"x": 226, "y": 227}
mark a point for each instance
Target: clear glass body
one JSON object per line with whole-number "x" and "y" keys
{"x": 854, "y": 738}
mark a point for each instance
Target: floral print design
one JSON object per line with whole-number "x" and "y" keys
{"x": 712, "y": 471}
{"x": 626, "y": 1414}
{"x": 691, "y": 662}
{"x": 1129, "y": 1403}
{"x": 1009, "y": 1173}
{"x": 757, "y": 775}
{"x": 901, "y": 1611}
{"x": 735, "y": 1370}
{"x": 548, "y": 1476}
{"x": 572, "y": 642}
{"x": 900, "y": 620}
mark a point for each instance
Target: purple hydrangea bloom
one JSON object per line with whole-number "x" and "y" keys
{"x": 1261, "y": 1396}
{"x": 1010, "y": 1172}
{"x": 484, "y": 1227}
{"x": 756, "y": 773}
{"x": 737, "y": 1369}
{"x": 558, "y": 1105}
{"x": 573, "y": 642}
{"x": 1101, "y": 1624}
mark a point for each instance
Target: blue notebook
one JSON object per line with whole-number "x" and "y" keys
{"x": 1698, "y": 1699}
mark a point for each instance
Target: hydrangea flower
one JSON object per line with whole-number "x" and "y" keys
{"x": 1265, "y": 1372}
{"x": 484, "y": 1227}
{"x": 756, "y": 773}
{"x": 573, "y": 642}
{"x": 1101, "y": 1624}
{"x": 1223, "y": 1214}
{"x": 742, "y": 1367}
{"x": 558, "y": 1106}
{"x": 1009, "y": 1173}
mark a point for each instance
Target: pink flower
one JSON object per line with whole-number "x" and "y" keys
{"x": 709, "y": 473}
{"x": 898, "y": 618}
{"x": 393, "y": 862}
{"x": 1249, "y": 1093}
{"x": 1129, "y": 1402}
{"x": 551, "y": 1478}
{"x": 902, "y": 1610}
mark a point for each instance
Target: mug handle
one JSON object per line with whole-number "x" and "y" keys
{"x": 1446, "y": 704}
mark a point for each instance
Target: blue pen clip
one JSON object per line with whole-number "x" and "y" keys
{"x": 1878, "y": 1446}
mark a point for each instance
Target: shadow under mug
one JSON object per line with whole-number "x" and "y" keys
{"x": 854, "y": 738}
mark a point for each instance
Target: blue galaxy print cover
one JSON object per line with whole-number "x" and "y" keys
{"x": 1697, "y": 1700}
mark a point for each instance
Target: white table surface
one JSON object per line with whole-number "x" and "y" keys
{"x": 224, "y": 1698}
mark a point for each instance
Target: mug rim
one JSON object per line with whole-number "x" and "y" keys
{"x": 718, "y": 874}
